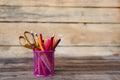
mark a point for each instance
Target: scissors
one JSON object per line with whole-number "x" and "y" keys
{"x": 27, "y": 42}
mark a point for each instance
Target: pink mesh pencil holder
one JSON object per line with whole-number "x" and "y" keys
{"x": 43, "y": 63}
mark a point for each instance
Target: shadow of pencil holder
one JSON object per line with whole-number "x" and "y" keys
{"x": 43, "y": 63}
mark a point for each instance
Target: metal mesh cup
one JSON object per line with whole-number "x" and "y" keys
{"x": 43, "y": 63}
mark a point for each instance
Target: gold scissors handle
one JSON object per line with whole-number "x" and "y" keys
{"x": 28, "y": 42}
{"x": 26, "y": 33}
{"x": 24, "y": 43}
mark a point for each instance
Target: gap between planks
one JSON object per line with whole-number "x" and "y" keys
{"x": 54, "y": 22}
{"x": 58, "y": 6}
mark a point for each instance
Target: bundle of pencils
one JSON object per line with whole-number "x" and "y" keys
{"x": 48, "y": 44}
{"x": 45, "y": 60}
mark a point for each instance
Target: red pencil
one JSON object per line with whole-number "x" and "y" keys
{"x": 47, "y": 44}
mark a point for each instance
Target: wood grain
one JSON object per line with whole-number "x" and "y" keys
{"x": 50, "y": 15}
{"x": 62, "y": 75}
{"x": 74, "y": 64}
{"x": 70, "y": 3}
{"x": 72, "y": 34}
{"x": 87, "y": 27}
{"x": 21, "y": 52}
{"x": 72, "y": 69}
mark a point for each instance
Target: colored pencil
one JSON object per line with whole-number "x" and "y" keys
{"x": 56, "y": 44}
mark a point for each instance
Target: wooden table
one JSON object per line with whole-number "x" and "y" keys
{"x": 92, "y": 68}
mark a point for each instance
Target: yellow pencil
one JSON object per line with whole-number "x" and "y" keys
{"x": 40, "y": 44}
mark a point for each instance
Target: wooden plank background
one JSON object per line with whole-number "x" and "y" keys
{"x": 63, "y": 3}
{"x": 87, "y": 27}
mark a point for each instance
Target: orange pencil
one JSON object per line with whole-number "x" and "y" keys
{"x": 56, "y": 44}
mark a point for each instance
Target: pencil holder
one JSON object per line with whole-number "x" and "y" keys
{"x": 43, "y": 63}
